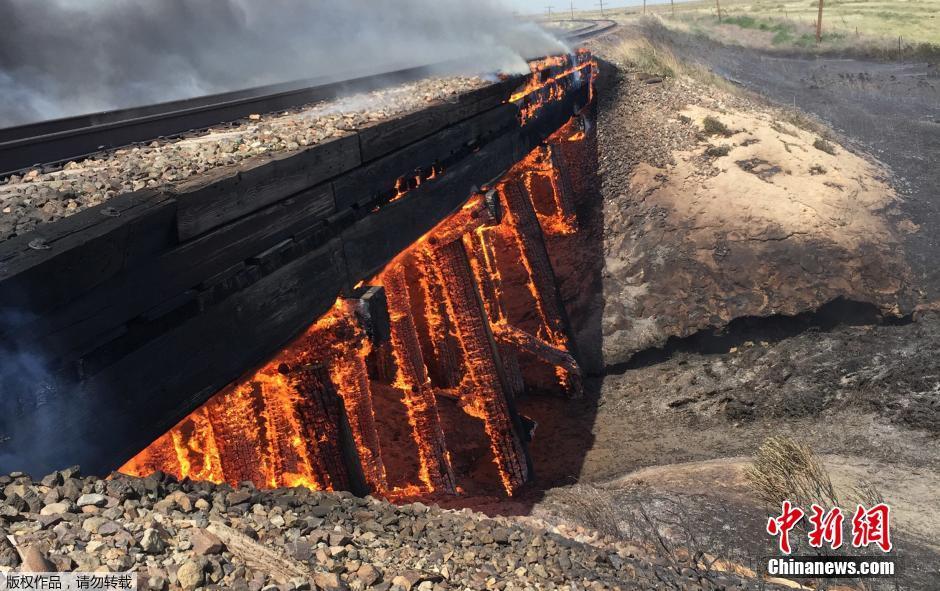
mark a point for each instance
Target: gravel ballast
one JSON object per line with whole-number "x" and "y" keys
{"x": 189, "y": 535}
{"x": 44, "y": 195}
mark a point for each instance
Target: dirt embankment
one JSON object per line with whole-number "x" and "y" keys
{"x": 888, "y": 109}
{"x": 758, "y": 278}
{"x": 742, "y": 213}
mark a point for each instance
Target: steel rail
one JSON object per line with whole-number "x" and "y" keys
{"x": 59, "y": 140}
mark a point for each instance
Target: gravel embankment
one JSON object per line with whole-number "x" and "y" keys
{"x": 204, "y": 536}
{"x": 41, "y": 196}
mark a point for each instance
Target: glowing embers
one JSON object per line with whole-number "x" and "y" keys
{"x": 545, "y": 173}
{"x": 283, "y": 426}
{"x": 408, "y": 183}
{"x": 550, "y": 79}
{"x": 412, "y": 379}
{"x": 470, "y": 312}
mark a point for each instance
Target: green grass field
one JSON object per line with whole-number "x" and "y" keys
{"x": 863, "y": 25}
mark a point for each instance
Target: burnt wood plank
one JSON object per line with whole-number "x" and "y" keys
{"x": 81, "y": 253}
{"x": 379, "y": 237}
{"x": 364, "y": 185}
{"x": 69, "y": 331}
{"x": 105, "y": 420}
{"x": 550, "y": 118}
{"x": 226, "y": 194}
{"x": 384, "y": 137}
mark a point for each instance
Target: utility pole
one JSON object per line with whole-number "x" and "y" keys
{"x": 644, "y": 6}
{"x": 601, "y": 4}
{"x": 549, "y": 12}
{"x": 673, "y": 2}
{"x": 819, "y": 23}
{"x": 572, "y": 9}
{"x": 718, "y": 6}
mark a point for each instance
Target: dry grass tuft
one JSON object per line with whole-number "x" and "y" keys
{"x": 648, "y": 57}
{"x": 825, "y": 146}
{"x": 784, "y": 469}
{"x": 591, "y": 507}
{"x": 713, "y": 126}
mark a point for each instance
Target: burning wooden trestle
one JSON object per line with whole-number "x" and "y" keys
{"x": 434, "y": 324}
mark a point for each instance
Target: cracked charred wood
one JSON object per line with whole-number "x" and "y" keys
{"x": 531, "y": 244}
{"x": 341, "y": 342}
{"x": 474, "y": 214}
{"x": 564, "y": 191}
{"x": 490, "y": 400}
{"x": 436, "y": 471}
{"x": 439, "y": 344}
{"x": 240, "y": 456}
{"x": 514, "y": 339}
{"x": 319, "y": 411}
{"x": 514, "y": 377}
{"x": 482, "y": 262}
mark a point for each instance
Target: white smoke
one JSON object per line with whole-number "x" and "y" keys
{"x": 67, "y": 57}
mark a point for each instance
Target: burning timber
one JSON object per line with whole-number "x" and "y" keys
{"x": 469, "y": 334}
{"x": 378, "y": 249}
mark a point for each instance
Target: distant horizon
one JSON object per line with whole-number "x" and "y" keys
{"x": 540, "y": 7}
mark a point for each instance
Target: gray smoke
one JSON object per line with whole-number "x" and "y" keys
{"x": 67, "y": 57}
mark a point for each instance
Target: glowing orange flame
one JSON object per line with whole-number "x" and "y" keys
{"x": 281, "y": 426}
{"x": 550, "y": 80}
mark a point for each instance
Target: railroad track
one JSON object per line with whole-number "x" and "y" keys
{"x": 593, "y": 29}
{"x": 59, "y": 140}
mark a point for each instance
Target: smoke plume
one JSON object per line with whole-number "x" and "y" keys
{"x": 67, "y": 57}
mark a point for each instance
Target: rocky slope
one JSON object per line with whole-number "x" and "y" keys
{"x": 188, "y": 535}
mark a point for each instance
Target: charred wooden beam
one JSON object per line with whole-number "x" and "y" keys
{"x": 475, "y": 213}
{"x": 483, "y": 264}
{"x": 531, "y": 243}
{"x": 436, "y": 471}
{"x": 490, "y": 399}
{"x": 370, "y": 306}
{"x": 441, "y": 349}
{"x": 240, "y": 453}
{"x": 564, "y": 190}
{"x": 339, "y": 340}
{"x": 514, "y": 339}
{"x": 319, "y": 412}
{"x": 514, "y": 378}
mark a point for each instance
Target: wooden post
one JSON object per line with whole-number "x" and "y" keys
{"x": 320, "y": 409}
{"x": 819, "y": 23}
{"x": 489, "y": 397}
{"x": 531, "y": 244}
{"x": 718, "y": 7}
{"x": 436, "y": 471}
